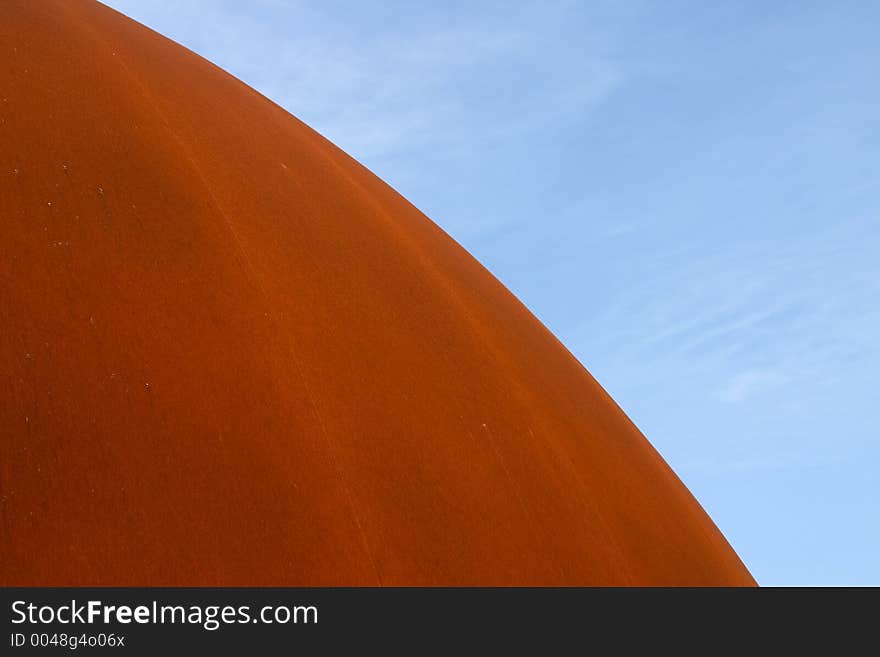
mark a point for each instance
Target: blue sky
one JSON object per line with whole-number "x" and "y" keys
{"x": 686, "y": 193}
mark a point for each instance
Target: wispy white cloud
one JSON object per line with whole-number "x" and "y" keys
{"x": 450, "y": 80}
{"x": 750, "y": 382}
{"x": 778, "y": 333}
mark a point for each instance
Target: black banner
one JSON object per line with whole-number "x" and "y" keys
{"x": 196, "y": 620}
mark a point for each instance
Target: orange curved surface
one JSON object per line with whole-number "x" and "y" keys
{"x": 231, "y": 355}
